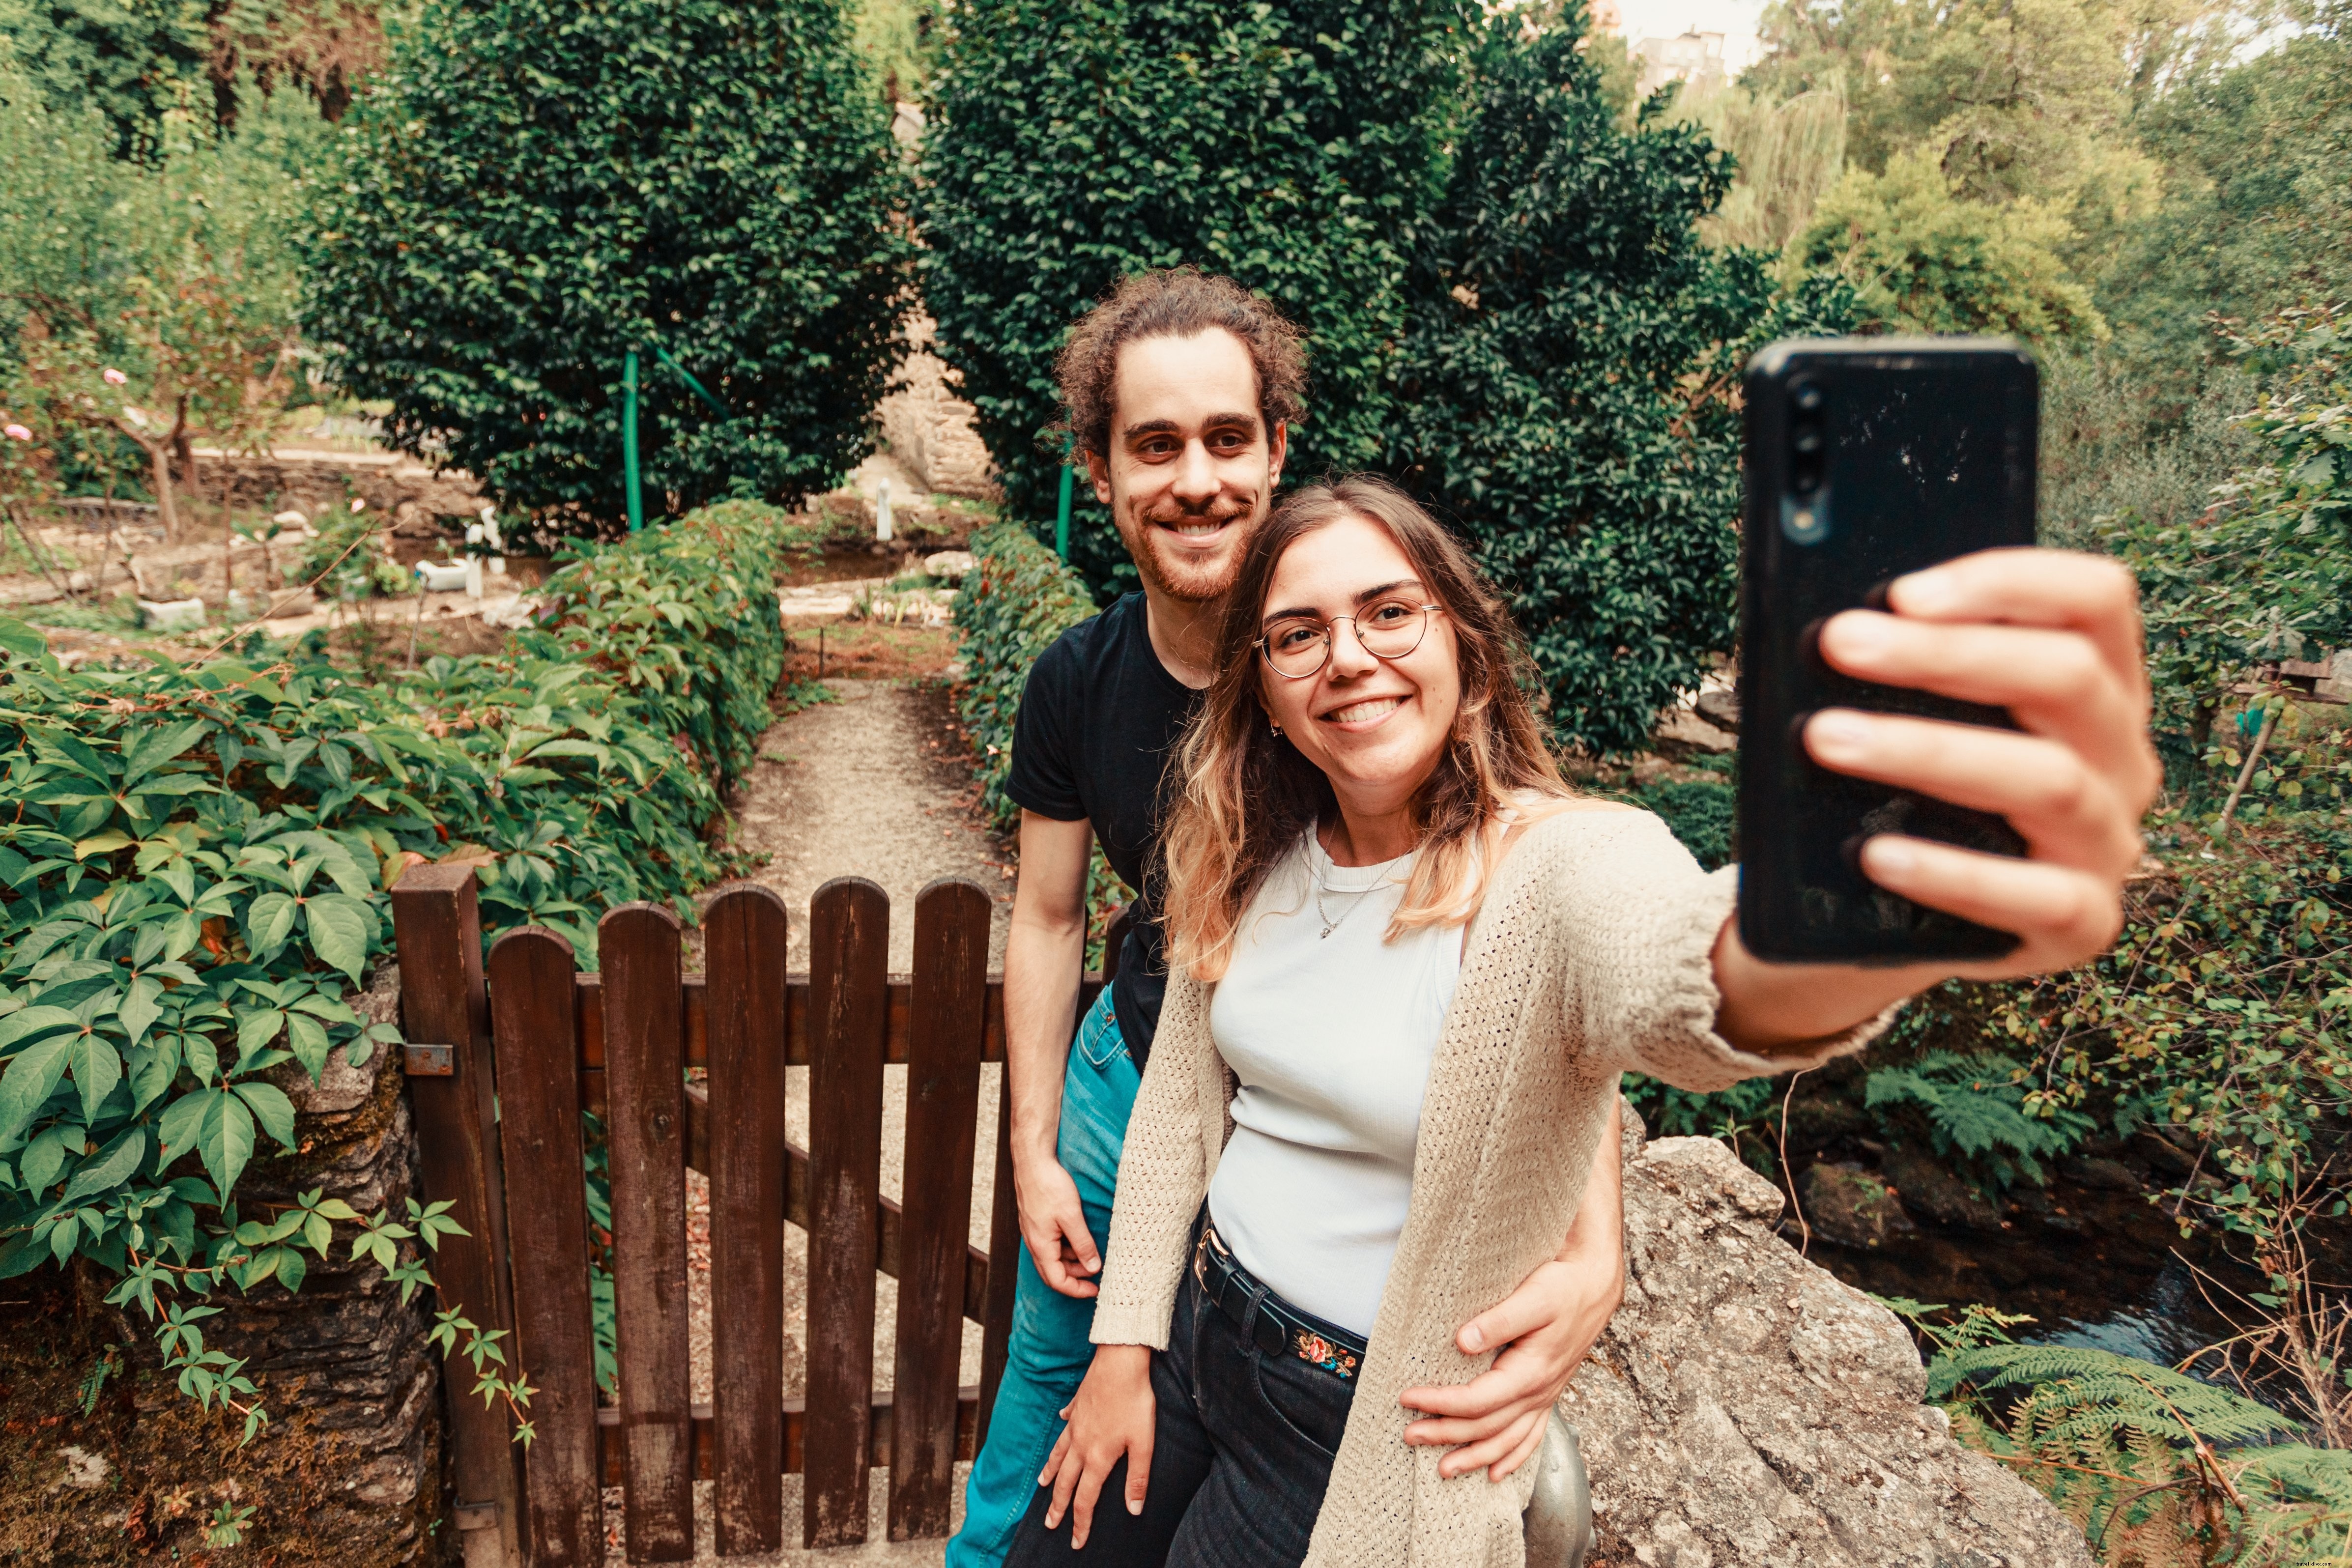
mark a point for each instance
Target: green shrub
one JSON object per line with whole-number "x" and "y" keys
{"x": 1973, "y": 1105}
{"x": 1016, "y": 600}
{"x": 1293, "y": 147}
{"x": 685, "y": 620}
{"x": 194, "y": 864}
{"x": 1560, "y": 393}
{"x": 531, "y": 189}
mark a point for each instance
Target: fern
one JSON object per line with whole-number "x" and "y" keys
{"x": 2085, "y": 1392}
{"x": 1975, "y": 1108}
{"x": 2298, "y": 1506}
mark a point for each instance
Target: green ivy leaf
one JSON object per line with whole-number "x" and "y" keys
{"x": 21, "y": 639}
{"x": 255, "y": 1029}
{"x": 339, "y": 928}
{"x": 223, "y": 1135}
{"x": 34, "y": 1020}
{"x": 274, "y": 1111}
{"x": 308, "y": 1038}
{"x": 267, "y": 922}
{"x": 110, "y": 1167}
{"x": 29, "y": 1081}
{"x": 142, "y": 1005}
{"x": 96, "y": 1068}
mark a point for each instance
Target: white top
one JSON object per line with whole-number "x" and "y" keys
{"x": 1331, "y": 1037}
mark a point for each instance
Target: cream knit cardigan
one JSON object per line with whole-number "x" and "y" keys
{"x": 1592, "y": 955}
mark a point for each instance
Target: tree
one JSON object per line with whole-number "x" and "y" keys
{"x": 532, "y": 191}
{"x": 1293, "y": 147}
{"x": 2257, "y": 212}
{"x": 135, "y": 62}
{"x": 1561, "y": 396}
{"x": 1926, "y": 259}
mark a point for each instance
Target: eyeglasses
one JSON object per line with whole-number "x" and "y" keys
{"x": 1297, "y": 646}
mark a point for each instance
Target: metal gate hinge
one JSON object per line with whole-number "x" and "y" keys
{"x": 475, "y": 1515}
{"x": 431, "y": 1062}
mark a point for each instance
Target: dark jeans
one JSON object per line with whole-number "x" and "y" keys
{"x": 1241, "y": 1454}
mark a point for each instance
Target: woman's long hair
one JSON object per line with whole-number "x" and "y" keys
{"x": 1249, "y": 795}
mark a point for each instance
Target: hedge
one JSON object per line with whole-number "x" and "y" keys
{"x": 531, "y": 189}
{"x": 1293, "y": 147}
{"x": 1017, "y": 599}
{"x": 194, "y": 864}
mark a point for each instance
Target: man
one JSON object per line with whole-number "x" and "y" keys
{"x": 1178, "y": 389}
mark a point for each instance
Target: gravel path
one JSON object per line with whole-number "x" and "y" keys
{"x": 872, "y": 786}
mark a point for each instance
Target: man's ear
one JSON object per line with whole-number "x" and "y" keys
{"x": 1098, "y": 476}
{"x": 1278, "y": 447}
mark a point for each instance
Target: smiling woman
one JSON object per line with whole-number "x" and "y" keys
{"x": 1408, "y": 966}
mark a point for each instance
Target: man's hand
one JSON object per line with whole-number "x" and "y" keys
{"x": 1545, "y": 1328}
{"x": 1111, "y": 1418}
{"x": 1053, "y": 1226}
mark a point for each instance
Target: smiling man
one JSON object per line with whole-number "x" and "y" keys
{"x": 1178, "y": 389}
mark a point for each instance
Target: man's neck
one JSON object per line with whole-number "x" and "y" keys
{"x": 1184, "y": 634}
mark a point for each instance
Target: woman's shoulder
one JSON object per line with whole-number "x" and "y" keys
{"x": 1545, "y": 829}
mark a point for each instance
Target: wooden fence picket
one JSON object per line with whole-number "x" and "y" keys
{"x": 509, "y": 1150}
{"x": 745, "y": 948}
{"x": 849, "y": 950}
{"x": 644, "y": 1066}
{"x": 945, "y": 1040}
{"x": 436, "y": 925}
{"x": 531, "y": 974}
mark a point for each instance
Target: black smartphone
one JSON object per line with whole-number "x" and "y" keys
{"x": 1866, "y": 459}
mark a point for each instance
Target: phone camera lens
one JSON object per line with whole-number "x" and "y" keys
{"x": 1808, "y": 440}
{"x": 1807, "y": 399}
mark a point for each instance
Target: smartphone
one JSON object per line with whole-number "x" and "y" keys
{"x": 1866, "y": 459}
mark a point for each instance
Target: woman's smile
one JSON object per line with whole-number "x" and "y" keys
{"x": 1364, "y": 711}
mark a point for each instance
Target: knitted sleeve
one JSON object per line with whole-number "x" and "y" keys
{"x": 1636, "y": 922}
{"x": 1164, "y": 1174}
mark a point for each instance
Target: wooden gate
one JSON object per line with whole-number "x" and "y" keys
{"x": 499, "y": 1074}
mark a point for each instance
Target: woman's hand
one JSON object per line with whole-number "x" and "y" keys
{"x": 2053, "y": 637}
{"x": 1111, "y": 1417}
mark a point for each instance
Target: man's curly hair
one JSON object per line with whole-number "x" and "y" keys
{"x": 1176, "y": 302}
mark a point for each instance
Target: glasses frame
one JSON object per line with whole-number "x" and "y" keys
{"x": 1329, "y": 641}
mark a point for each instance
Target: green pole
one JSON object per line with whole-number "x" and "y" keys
{"x": 1062, "y": 518}
{"x": 629, "y": 440}
{"x": 688, "y": 376}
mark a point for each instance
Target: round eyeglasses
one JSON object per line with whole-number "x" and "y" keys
{"x": 1297, "y": 646}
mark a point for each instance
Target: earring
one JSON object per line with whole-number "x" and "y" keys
{"x": 1273, "y": 728}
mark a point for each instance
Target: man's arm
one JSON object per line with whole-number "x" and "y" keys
{"x": 1545, "y": 1328}
{"x": 1044, "y": 954}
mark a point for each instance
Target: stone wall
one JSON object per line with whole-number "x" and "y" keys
{"x": 314, "y": 481}
{"x": 928, "y": 428}
{"x": 1746, "y": 1409}
{"x": 349, "y": 1378}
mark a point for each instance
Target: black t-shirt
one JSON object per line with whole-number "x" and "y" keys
{"x": 1098, "y": 724}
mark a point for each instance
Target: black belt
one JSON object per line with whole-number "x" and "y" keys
{"x": 1278, "y": 1328}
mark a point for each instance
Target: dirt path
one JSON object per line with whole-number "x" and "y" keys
{"x": 872, "y": 786}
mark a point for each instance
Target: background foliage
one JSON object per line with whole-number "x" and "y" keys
{"x": 1559, "y": 397}
{"x": 195, "y": 864}
{"x": 1295, "y": 147}
{"x": 532, "y": 190}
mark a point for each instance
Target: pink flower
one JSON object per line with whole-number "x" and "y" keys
{"x": 17, "y": 433}
{"x": 358, "y": 504}
{"x": 115, "y": 378}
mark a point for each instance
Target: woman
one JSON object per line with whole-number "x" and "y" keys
{"x": 1408, "y": 965}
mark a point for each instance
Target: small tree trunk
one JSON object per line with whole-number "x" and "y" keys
{"x": 159, "y": 459}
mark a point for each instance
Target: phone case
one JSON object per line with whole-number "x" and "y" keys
{"x": 1866, "y": 459}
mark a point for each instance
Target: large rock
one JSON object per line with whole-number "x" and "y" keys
{"x": 1746, "y": 1409}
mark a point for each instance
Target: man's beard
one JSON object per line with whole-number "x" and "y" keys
{"x": 1184, "y": 581}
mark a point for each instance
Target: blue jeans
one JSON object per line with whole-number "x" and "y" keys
{"x": 1049, "y": 1352}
